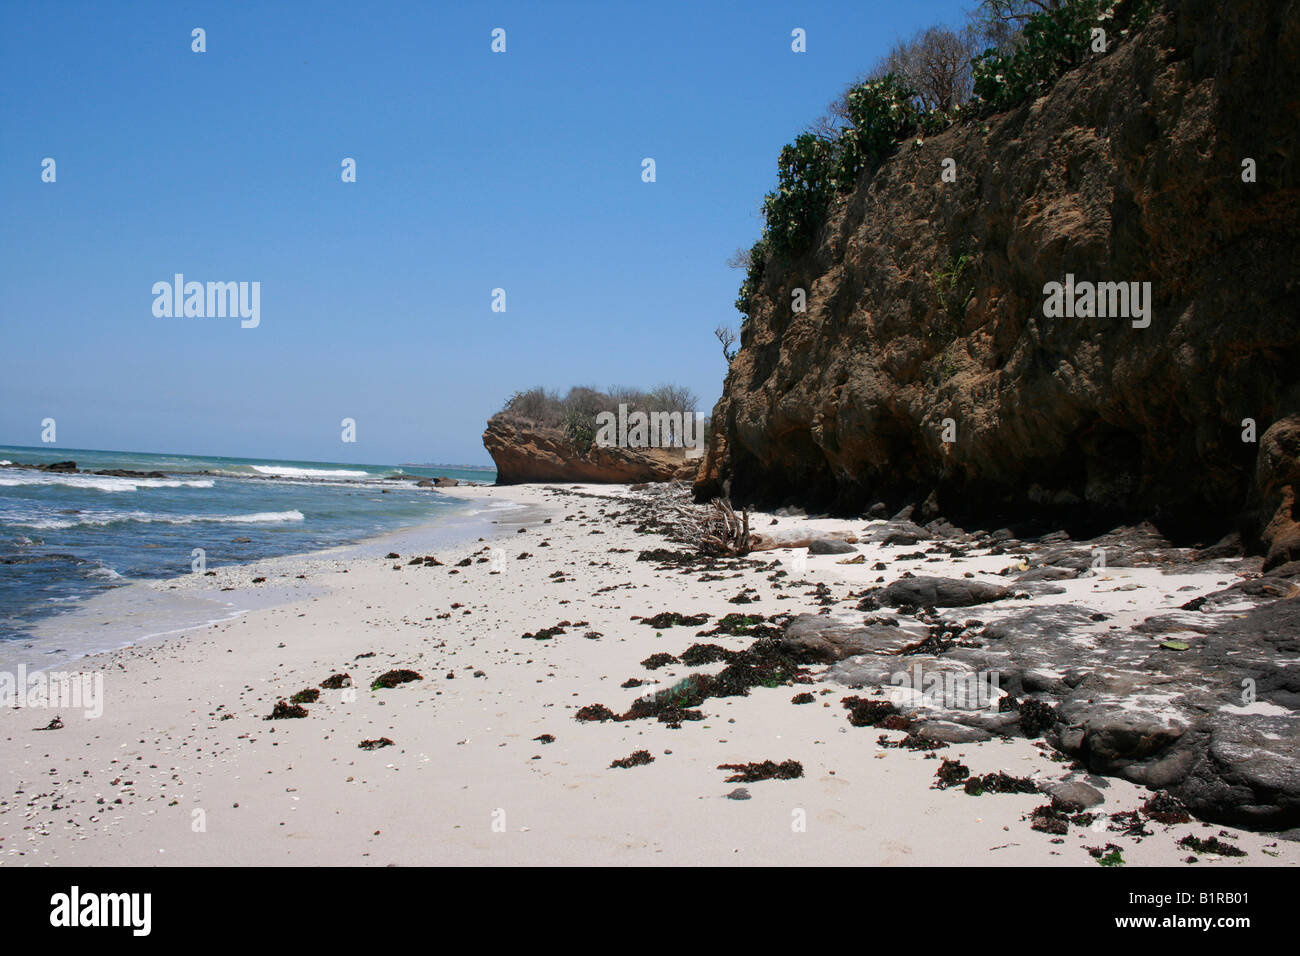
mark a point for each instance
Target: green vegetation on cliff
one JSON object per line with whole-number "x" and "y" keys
{"x": 880, "y": 113}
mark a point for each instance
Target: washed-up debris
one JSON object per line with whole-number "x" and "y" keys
{"x": 674, "y": 619}
{"x": 950, "y": 773}
{"x": 595, "y": 712}
{"x": 284, "y": 710}
{"x": 375, "y": 744}
{"x": 874, "y": 713}
{"x": 766, "y": 770}
{"x": 1109, "y": 855}
{"x": 1210, "y": 845}
{"x": 1000, "y": 782}
{"x": 395, "y": 677}
{"x": 636, "y": 759}
{"x": 308, "y": 695}
{"x": 1166, "y": 808}
{"x": 337, "y": 681}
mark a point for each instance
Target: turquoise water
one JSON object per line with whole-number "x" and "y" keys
{"x": 67, "y": 537}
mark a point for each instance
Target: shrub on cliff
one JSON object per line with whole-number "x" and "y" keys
{"x": 881, "y": 112}
{"x": 1051, "y": 44}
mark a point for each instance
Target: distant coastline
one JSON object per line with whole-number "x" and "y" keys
{"x": 431, "y": 465}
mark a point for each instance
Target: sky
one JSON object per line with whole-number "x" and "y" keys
{"x": 475, "y": 171}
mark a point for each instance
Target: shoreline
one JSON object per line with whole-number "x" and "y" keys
{"x": 199, "y": 603}
{"x": 183, "y": 769}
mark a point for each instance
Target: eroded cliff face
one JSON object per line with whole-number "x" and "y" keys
{"x": 925, "y": 300}
{"x": 528, "y": 453}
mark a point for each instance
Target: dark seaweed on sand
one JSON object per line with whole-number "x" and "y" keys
{"x": 284, "y": 710}
{"x": 743, "y": 625}
{"x": 1210, "y": 845}
{"x": 337, "y": 681}
{"x": 636, "y": 759}
{"x": 674, "y": 619}
{"x": 950, "y": 773}
{"x": 874, "y": 713}
{"x": 375, "y": 744}
{"x": 699, "y": 654}
{"x": 1000, "y": 782}
{"x": 767, "y": 770}
{"x": 308, "y": 695}
{"x": 656, "y": 661}
{"x": 1036, "y": 718}
{"x": 1166, "y": 808}
{"x": 595, "y": 712}
{"x": 762, "y": 664}
{"x": 395, "y": 677}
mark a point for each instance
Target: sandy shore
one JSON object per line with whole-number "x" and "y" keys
{"x": 182, "y": 769}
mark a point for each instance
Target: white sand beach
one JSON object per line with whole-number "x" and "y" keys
{"x": 183, "y": 769}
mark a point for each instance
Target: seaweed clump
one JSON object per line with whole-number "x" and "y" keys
{"x": 674, "y": 619}
{"x": 337, "y": 681}
{"x": 1166, "y": 808}
{"x": 763, "y": 664}
{"x": 999, "y": 782}
{"x": 636, "y": 759}
{"x": 766, "y": 770}
{"x": 1036, "y": 718}
{"x": 595, "y": 712}
{"x": 1211, "y": 845}
{"x": 283, "y": 710}
{"x": 375, "y": 744}
{"x": 950, "y": 773}
{"x": 395, "y": 677}
{"x": 874, "y": 713}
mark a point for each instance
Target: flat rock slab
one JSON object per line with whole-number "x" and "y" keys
{"x": 1076, "y": 795}
{"x": 818, "y": 639}
{"x": 950, "y": 733}
{"x": 830, "y": 546}
{"x": 942, "y": 592}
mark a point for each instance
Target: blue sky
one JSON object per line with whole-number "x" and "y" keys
{"x": 475, "y": 171}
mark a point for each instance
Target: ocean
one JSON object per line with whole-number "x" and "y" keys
{"x": 65, "y": 538}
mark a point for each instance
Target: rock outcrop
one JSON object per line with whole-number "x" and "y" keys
{"x": 525, "y": 452}
{"x": 1278, "y": 480}
{"x": 924, "y": 368}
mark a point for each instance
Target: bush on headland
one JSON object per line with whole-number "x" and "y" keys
{"x": 575, "y": 414}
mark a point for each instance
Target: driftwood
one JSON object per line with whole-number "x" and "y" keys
{"x": 714, "y": 528}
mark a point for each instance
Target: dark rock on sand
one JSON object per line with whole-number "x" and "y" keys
{"x": 830, "y": 546}
{"x": 1075, "y": 795}
{"x": 818, "y": 639}
{"x": 941, "y": 592}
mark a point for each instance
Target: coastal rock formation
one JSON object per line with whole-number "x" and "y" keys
{"x": 1278, "y": 480}
{"x": 1202, "y": 701}
{"x": 924, "y": 368}
{"x": 525, "y": 452}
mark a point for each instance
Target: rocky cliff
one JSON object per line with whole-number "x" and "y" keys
{"x": 526, "y": 452}
{"x": 925, "y": 367}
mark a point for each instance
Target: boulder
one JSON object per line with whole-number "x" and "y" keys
{"x": 942, "y": 592}
{"x": 819, "y": 639}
